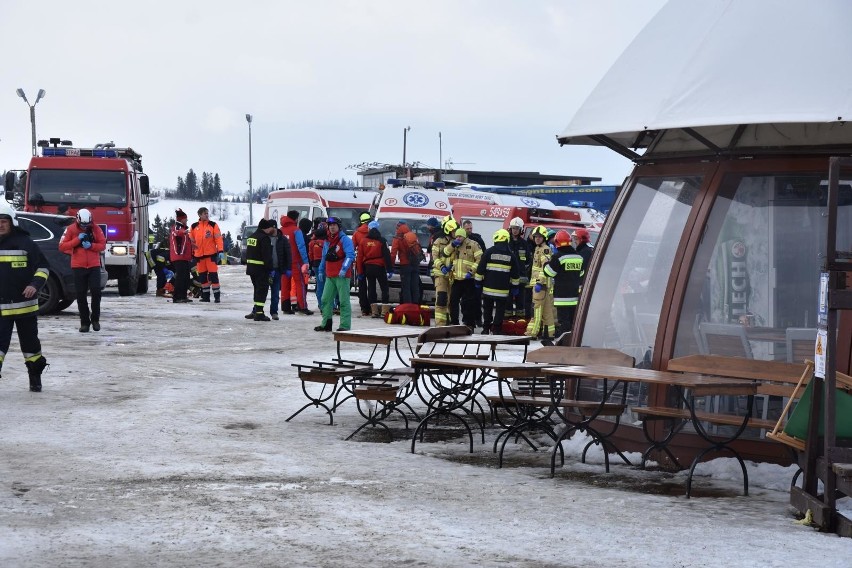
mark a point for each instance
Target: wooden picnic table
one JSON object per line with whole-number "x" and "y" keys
{"x": 475, "y": 340}
{"x": 697, "y": 385}
{"x": 388, "y": 336}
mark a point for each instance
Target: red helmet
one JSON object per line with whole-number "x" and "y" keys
{"x": 582, "y": 235}
{"x": 562, "y": 239}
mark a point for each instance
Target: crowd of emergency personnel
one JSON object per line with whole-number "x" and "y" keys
{"x": 528, "y": 280}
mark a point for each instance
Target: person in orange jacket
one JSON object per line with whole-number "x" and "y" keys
{"x": 85, "y": 242}
{"x": 293, "y": 286}
{"x": 208, "y": 249}
{"x": 373, "y": 263}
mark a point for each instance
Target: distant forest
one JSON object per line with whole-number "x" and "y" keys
{"x": 209, "y": 188}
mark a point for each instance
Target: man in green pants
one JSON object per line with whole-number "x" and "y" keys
{"x": 338, "y": 257}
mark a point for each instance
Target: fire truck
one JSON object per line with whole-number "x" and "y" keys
{"x": 109, "y": 182}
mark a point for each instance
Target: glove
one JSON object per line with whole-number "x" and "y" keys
{"x": 86, "y": 245}
{"x": 456, "y": 242}
{"x": 288, "y": 273}
{"x": 468, "y": 275}
{"x": 538, "y": 287}
{"x": 84, "y": 237}
{"x": 445, "y": 270}
{"x": 390, "y": 274}
{"x": 168, "y": 274}
{"x": 220, "y": 256}
{"x": 515, "y": 291}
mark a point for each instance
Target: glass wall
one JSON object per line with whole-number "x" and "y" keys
{"x": 624, "y": 309}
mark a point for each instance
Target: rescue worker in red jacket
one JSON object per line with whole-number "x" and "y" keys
{"x": 85, "y": 242}
{"x": 23, "y": 272}
{"x": 373, "y": 264}
{"x": 209, "y": 250}
{"x": 293, "y": 286}
{"x": 358, "y": 237}
{"x": 406, "y": 251}
{"x": 180, "y": 253}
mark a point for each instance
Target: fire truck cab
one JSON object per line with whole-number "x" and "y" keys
{"x": 488, "y": 218}
{"x": 109, "y": 182}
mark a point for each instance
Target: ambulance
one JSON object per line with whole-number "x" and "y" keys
{"x": 320, "y": 202}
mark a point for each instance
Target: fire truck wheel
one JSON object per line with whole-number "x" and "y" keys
{"x": 128, "y": 281}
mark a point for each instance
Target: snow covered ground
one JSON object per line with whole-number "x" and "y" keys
{"x": 161, "y": 441}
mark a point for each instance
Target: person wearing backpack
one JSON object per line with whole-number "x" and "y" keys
{"x": 373, "y": 265}
{"x": 406, "y": 251}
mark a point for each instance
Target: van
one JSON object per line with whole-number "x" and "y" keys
{"x": 320, "y": 203}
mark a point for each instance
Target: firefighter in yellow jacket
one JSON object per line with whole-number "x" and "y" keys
{"x": 442, "y": 269}
{"x": 466, "y": 255}
{"x": 542, "y": 323}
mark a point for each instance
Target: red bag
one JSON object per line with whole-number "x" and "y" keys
{"x": 514, "y": 327}
{"x": 410, "y": 314}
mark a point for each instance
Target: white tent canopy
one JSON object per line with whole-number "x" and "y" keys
{"x": 777, "y": 69}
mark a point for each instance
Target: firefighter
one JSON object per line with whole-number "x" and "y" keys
{"x": 581, "y": 240}
{"x": 336, "y": 265}
{"x": 180, "y": 254}
{"x": 208, "y": 249}
{"x": 160, "y": 263}
{"x": 85, "y": 241}
{"x": 498, "y": 275}
{"x": 466, "y": 257}
{"x": 566, "y": 269}
{"x": 520, "y": 247}
{"x": 442, "y": 267}
{"x": 542, "y": 322}
{"x": 23, "y": 272}
{"x": 259, "y": 266}
{"x": 359, "y": 237}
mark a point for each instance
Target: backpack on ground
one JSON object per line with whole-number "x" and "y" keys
{"x": 410, "y": 314}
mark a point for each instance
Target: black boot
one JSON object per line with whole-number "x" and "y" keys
{"x": 324, "y": 327}
{"x": 96, "y": 325}
{"x": 34, "y": 369}
{"x": 84, "y": 328}
{"x": 286, "y": 308}
{"x": 216, "y": 297}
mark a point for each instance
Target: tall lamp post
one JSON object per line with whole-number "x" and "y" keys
{"x": 404, "y": 141}
{"x": 251, "y": 197}
{"x": 32, "y": 111}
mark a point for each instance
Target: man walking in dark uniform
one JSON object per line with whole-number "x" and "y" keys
{"x": 23, "y": 272}
{"x": 259, "y": 266}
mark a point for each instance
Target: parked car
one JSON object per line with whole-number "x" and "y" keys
{"x": 46, "y": 230}
{"x": 242, "y": 240}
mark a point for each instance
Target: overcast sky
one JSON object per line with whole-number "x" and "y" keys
{"x": 330, "y": 83}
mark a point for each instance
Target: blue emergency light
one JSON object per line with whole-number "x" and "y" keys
{"x": 99, "y": 153}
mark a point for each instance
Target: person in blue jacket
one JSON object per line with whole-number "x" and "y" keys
{"x": 338, "y": 258}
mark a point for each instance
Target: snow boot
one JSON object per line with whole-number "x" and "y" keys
{"x": 161, "y": 292}
{"x": 34, "y": 369}
{"x": 386, "y": 309}
{"x": 84, "y": 328}
{"x": 260, "y": 316}
{"x": 286, "y": 308}
{"x": 376, "y": 310}
{"x": 216, "y": 297}
{"x": 324, "y": 327}
{"x": 306, "y": 312}
{"x": 96, "y": 325}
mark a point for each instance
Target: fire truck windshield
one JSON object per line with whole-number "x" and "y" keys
{"x": 76, "y": 187}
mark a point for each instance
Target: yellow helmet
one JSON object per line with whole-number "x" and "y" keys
{"x": 449, "y": 225}
{"x": 501, "y": 236}
{"x": 541, "y": 231}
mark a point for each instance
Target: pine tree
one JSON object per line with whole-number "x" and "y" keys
{"x": 192, "y": 191}
{"x": 180, "y": 192}
{"x": 205, "y": 186}
{"x": 157, "y": 229}
{"x": 217, "y": 187}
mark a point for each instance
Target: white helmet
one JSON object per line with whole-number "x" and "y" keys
{"x": 6, "y": 210}
{"x": 84, "y": 217}
{"x": 516, "y": 223}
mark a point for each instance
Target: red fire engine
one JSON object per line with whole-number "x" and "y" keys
{"x": 109, "y": 182}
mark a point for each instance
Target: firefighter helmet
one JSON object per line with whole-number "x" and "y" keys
{"x": 582, "y": 235}
{"x": 7, "y": 212}
{"x": 501, "y": 236}
{"x": 563, "y": 239}
{"x": 84, "y": 217}
{"x": 516, "y": 223}
{"x": 540, "y": 231}
{"x": 449, "y": 225}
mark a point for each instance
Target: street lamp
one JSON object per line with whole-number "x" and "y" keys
{"x": 32, "y": 111}
{"x": 251, "y": 197}
{"x": 404, "y": 140}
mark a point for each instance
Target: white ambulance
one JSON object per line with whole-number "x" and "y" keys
{"x": 317, "y": 202}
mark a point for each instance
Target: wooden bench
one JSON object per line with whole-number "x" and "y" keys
{"x": 532, "y": 402}
{"x": 380, "y": 393}
{"x": 328, "y": 374}
{"x": 771, "y": 378}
